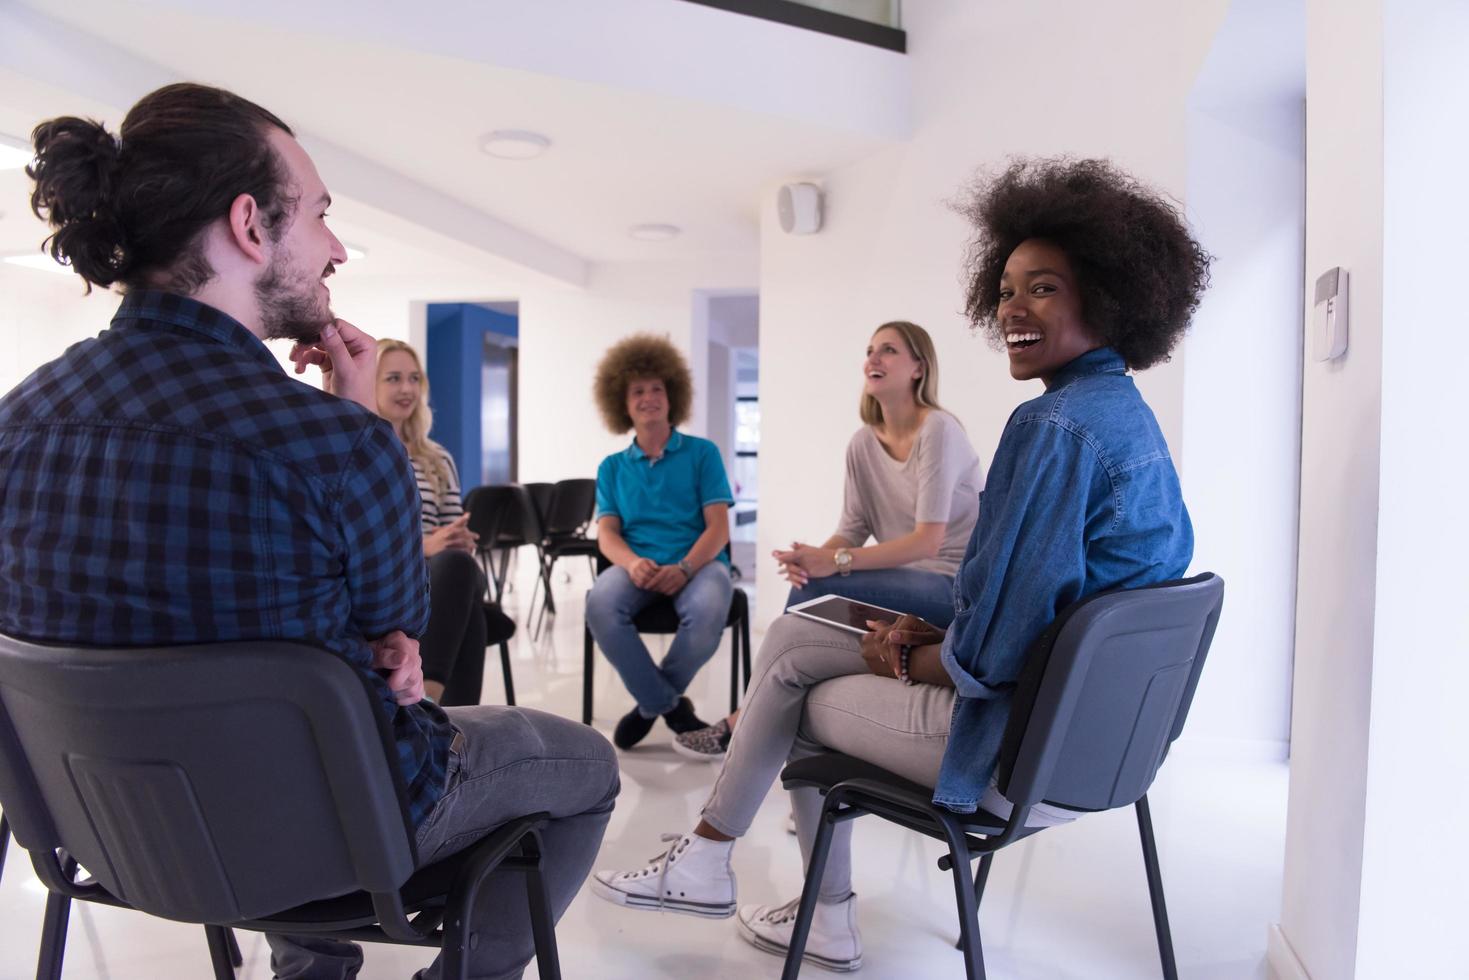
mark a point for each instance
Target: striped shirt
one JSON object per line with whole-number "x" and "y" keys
{"x": 441, "y": 505}
{"x": 168, "y": 483}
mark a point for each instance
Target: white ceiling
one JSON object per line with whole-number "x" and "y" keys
{"x": 620, "y": 155}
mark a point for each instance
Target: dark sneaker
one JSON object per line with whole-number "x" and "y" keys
{"x": 704, "y": 744}
{"x": 632, "y": 729}
{"x": 682, "y": 718}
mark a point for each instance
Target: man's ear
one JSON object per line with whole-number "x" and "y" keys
{"x": 246, "y": 229}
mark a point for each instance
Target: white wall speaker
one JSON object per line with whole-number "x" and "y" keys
{"x": 799, "y": 206}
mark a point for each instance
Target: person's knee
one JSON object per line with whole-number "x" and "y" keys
{"x": 605, "y": 601}
{"x": 567, "y": 739}
{"x": 786, "y": 634}
{"x": 454, "y": 568}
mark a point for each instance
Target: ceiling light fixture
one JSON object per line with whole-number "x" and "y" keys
{"x": 654, "y": 233}
{"x": 355, "y": 253}
{"x": 14, "y": 153}
{"x": 42, "y": 262}
{"x": 514, "y": 144}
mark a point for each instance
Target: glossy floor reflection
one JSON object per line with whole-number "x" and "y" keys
{"x": 1069, "y": 903}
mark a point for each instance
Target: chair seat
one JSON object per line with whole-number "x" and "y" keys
{"x": 662, "y": 616}
{"x": 426, "y": 889}
{"x": 826, "y": 770}
{"x": 574, "y": 547}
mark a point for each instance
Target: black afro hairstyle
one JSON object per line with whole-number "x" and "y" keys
{"x": 1139, "y": 271}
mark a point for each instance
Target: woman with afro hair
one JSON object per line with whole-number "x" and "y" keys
{"x": 663, "y": 522}
{"x": 1079, "y": 274}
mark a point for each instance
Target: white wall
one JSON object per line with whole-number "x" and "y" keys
{"x": 1242, "y": 370}
{"x": 563, "y": 334}
{"x": 1341, "y": 405}
{"x": 41, "y": 315}
{"x": 892, "y": 248}
{"x": 1415, "y": 860}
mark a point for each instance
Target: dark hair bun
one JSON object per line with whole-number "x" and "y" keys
{"x": 75, "y": 170}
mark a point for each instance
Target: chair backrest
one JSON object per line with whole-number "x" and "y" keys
{"x": 540, "y": 503}
{"x": 1105, "y": 690}
{"x": 572, "y": 505}
{"x": 205, "y": 783}
{"x": 501, "y": 515}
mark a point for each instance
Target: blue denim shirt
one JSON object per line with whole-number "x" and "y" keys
{"x": 1082, "y": 496}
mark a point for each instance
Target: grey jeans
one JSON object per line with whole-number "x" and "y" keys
{"x": 511, "y": 761}
{"x": 813, "y": 693}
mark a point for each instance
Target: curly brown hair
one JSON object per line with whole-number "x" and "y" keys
{"x": 1139, "y": 272}
{"x": 641, "y": 356}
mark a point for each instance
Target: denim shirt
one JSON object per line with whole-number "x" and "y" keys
{"x": 1082, "y": 496}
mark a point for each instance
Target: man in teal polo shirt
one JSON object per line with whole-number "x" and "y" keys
{"x": 663, "y": 522}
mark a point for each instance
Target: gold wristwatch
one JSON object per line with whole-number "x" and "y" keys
{"x": 843, "y": 558}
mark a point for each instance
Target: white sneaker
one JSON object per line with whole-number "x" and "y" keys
{"x": 832, "y": 944}
{"x": 693, "y": 877}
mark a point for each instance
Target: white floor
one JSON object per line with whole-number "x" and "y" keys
{"x": 1069, "y": 903}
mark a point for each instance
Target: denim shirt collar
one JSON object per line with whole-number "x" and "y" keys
{"x": 1103, "y": 360}
{"x": 143, "y": 305}
{"x": 675, "y": 440}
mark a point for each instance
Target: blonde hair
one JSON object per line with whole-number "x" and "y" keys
{"x": 925, "y": 387}
{"x": 429, "y": 454}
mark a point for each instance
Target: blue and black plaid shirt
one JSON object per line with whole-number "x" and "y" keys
{"x": 168, "y": 483}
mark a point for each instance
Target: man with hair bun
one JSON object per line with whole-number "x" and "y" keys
{"x": 663, "y": 522}
{"x": 168, "y": 483}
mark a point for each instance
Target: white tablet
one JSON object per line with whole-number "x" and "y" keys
{"x": 844, "y": 614}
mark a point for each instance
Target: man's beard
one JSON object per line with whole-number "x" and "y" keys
{"x": 289, "y": 305}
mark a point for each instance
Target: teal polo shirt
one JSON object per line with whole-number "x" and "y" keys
{"x": 661, "y": 502}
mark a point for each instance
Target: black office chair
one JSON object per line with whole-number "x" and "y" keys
{"x": 505, "y": 517}
{"x": 662, "y": 618}
{"x": 565, "y": 517}
{"x": 1104, "y": 692}
{"x": 237, "y": 785}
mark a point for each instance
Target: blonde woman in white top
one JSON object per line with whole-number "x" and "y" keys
{"x": 912, "y": 490}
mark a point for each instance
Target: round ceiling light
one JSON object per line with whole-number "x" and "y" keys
{"x": 355, "y": 253}
{"x": 654, "y": 233}
{"x": 514, "y": 144}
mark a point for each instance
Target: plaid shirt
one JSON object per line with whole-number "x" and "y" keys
{"x": 168, "y": 483}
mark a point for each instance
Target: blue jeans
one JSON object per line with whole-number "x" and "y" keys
{"x": 703, "y": 609}
{"x": 929, "y": 595}
{"x": 509, "y": 762}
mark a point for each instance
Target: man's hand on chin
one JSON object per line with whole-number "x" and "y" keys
{"x": 347, "y": 357}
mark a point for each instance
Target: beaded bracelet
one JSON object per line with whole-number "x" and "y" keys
{"x": 904, "y": 652}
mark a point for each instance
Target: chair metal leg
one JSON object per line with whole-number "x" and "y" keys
{"x": 220, "y": 941}
{"x": 1155, "y": 889}
{"x": 53, "y": 937}
{"x": 542, "y": 919}
{"x": 745, "y": 650}
{"x": 586, "y": 677}
{"x": 734, "y": 670}
{"x": 237, "y": 960}
{"x": 815, "y": 870}
{"x": 501, "y": 580}
{"x": 509, "y": 677}
{"x": 4, "y": 840}
{"x": 980, "y": 877}
{"x": 964, "y": 894}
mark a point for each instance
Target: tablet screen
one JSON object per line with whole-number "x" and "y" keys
{"x": 847, "y": 614}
